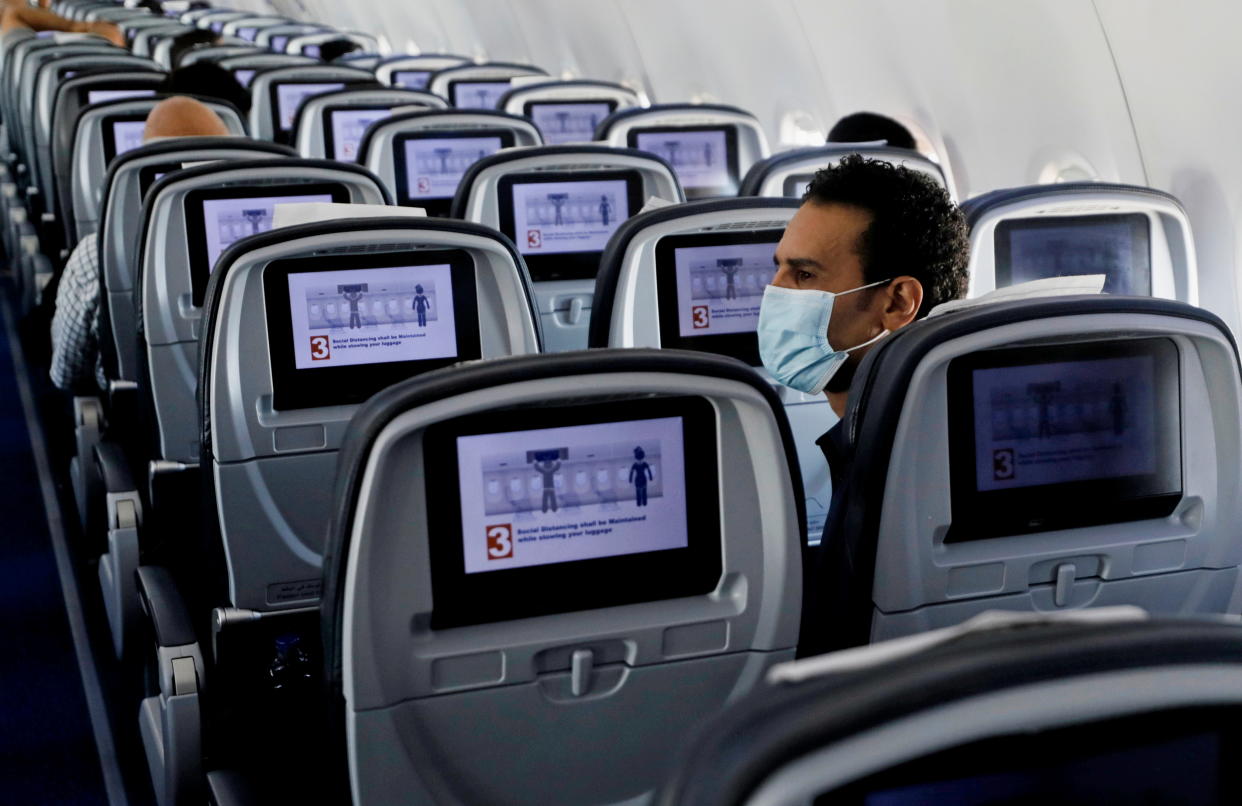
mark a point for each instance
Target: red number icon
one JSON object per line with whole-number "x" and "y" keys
{"x": 499, "y": 541}
{"x": 321, "y": 349}
{"x": 534, "y": 238}
{"x": 700, "y": 316}
{"x": 424, "y": 184}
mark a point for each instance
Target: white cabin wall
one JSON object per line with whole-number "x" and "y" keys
{"x": 1180, "y": 65}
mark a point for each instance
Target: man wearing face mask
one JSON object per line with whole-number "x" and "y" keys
{"x": 873, "y": 248}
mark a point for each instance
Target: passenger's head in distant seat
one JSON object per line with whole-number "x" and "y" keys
{"x": 150, "y": 5}
{"x": 885, "y": 243}
{"x": 189, "y": 41}
{"x": 868, "y": 127}
{"x": 182, "y": 117}
{"x": 207, "y": 80}
{"x": 334, "y": 49}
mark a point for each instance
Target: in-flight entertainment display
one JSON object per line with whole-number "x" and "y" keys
{"x": 1116, "y": 245}
{"x": 100, "y": 96}
{"x": 122, "y": 134}
{"x": 477, "y": 94}
{"x": 430, "y": 164}
{"x": 412, "y": 79}
{"x": 553, "y": 509}
{"x": 703, "y": 157}
{"x": 710, "y": 287}
{"x": 289, "y": 98}
{"x": 568, "y": 121}
{"x": 1065, "y": 434}
{"x": 346, "y": 127}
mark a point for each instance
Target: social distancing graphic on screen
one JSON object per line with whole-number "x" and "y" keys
{"x": 479, "y": 94}
{"x": 434, "y": 166}
{"x": 348, "y": 126}
{"x": 720, "y": 288}
{"x": 569, "y": 122}
{"x": 370, "y": 316}
{"x": 99, "y": 96}
{"x": 557, "y": 217}
{"x": 579, "y": 492}
{"x": 1064, "y": 422}
{"x": 700, "y": 159}
{"x": 290, "y": 97}
{"x": 127, "y": 134}
{"x": 412, "y": 79}
{"x": 1117, "y": 246}
{"x": 227, "y": 220}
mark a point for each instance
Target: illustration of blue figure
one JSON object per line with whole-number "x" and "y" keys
{"x": 420, "y": 305}
{"x": 640, "y": 474}
{"x": 352, "y": 294}
{"x": 558, "y": 201}
{"x": 545, "y": 464}
{"x": 605, "y": 209}
{"x": 729, "y": 267}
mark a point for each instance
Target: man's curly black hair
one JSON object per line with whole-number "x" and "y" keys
{"x": 915, "y": 229}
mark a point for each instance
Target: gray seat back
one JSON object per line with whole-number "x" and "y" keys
{"x": 691, "y": 276}
{"x": 23, "y": 104}
{"x": 1138, "y": 237}
{"x": 271, "y": 438}
{"x": 1114, "y": 708}
{"x": 414, "y": 72}
{"x": 308, "y": 44}
{"x": 332, "y": 125}
{"x": 129, "y": 177}
{"x": 147, "y": 40}
{"x": 245, "y": 67}
{"x": 1046, "y": 455}
{"x": 215, "y": 54}
{"x": 110, "y": 128}
{"x": 568, "y": 111}
{"x": 645, "y": 606}
{"x": 276, "y": 95}
{"x": 190, "y": 217}
{"x": 421, "y": 156}
{"x": 248, "y": 28}
{"x": 478, "y": 86}
{"x": 787, "y": 173}
{"x": 711, "y": 147}
{"x": 560, "y": 204}
{"x": 275, "y": 37}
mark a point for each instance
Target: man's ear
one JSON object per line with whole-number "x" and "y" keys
{"x": 903, "y": 298}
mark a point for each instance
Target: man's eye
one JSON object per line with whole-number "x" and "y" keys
{"x": 803, "y": 276}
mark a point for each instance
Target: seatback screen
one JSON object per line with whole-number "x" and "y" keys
{"x": 217, "y": 218}
{"x": 478, "y": 94}
{"x": 710, "y": 286}
{"x": 122, "y": 134}
{"x": 703, "y": 157}
{"x": 344, "y": 327}
{"x": 346, "y": 127}
{"x": 544, "y": 498}
{"x": 248, "y": 34}
{"x": 553, "y": 216}
{"x": 430, "y": 164}
{"x": 278, "y": 43}
{"x": 411, "y": 79}
{"x": 1064, "y": 435}
{"x": 289, "y": 98}
{"x": 569, "y": 121}
{"x": 1117, "y": 246}
{"x": 796, "y": 185}
{"x": 244, "y": 76}
{"x": 99, "y": 96}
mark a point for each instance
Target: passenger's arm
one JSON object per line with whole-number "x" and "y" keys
{"x": 38, "y": 19}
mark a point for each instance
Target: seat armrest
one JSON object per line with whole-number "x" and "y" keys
{"x": 113, "y": 466}
{"x": 164, "y": 606}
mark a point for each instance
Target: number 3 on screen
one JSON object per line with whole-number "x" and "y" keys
{"x": 499, "y": 541}
{"x": 320, "y": 349}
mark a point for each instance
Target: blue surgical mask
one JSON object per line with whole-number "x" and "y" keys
{"x": 793, "y": 337}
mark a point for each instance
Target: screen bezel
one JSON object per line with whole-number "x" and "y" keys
{"x": 109, "y": 134}
{"x": 437, "y": 206}
{"x": 980, "y": 515}
{"x": 742, "y": 346}
{"x": 790, "y": 186}
{"x": 294, "y": 388}
{"x": 731, "y": 156}
{"x": 1140, "y": 225}
{"x": 283, "y": 134}
{"x": 461, "y": 599}
{"x": 564, "y": 265}
{"x": 329, "y": 138}
{"x": 456, "y": 83}
{"x": 195, "y": 227}
{"x": 146, "y": 174}
{"x": 528, "y": 109}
